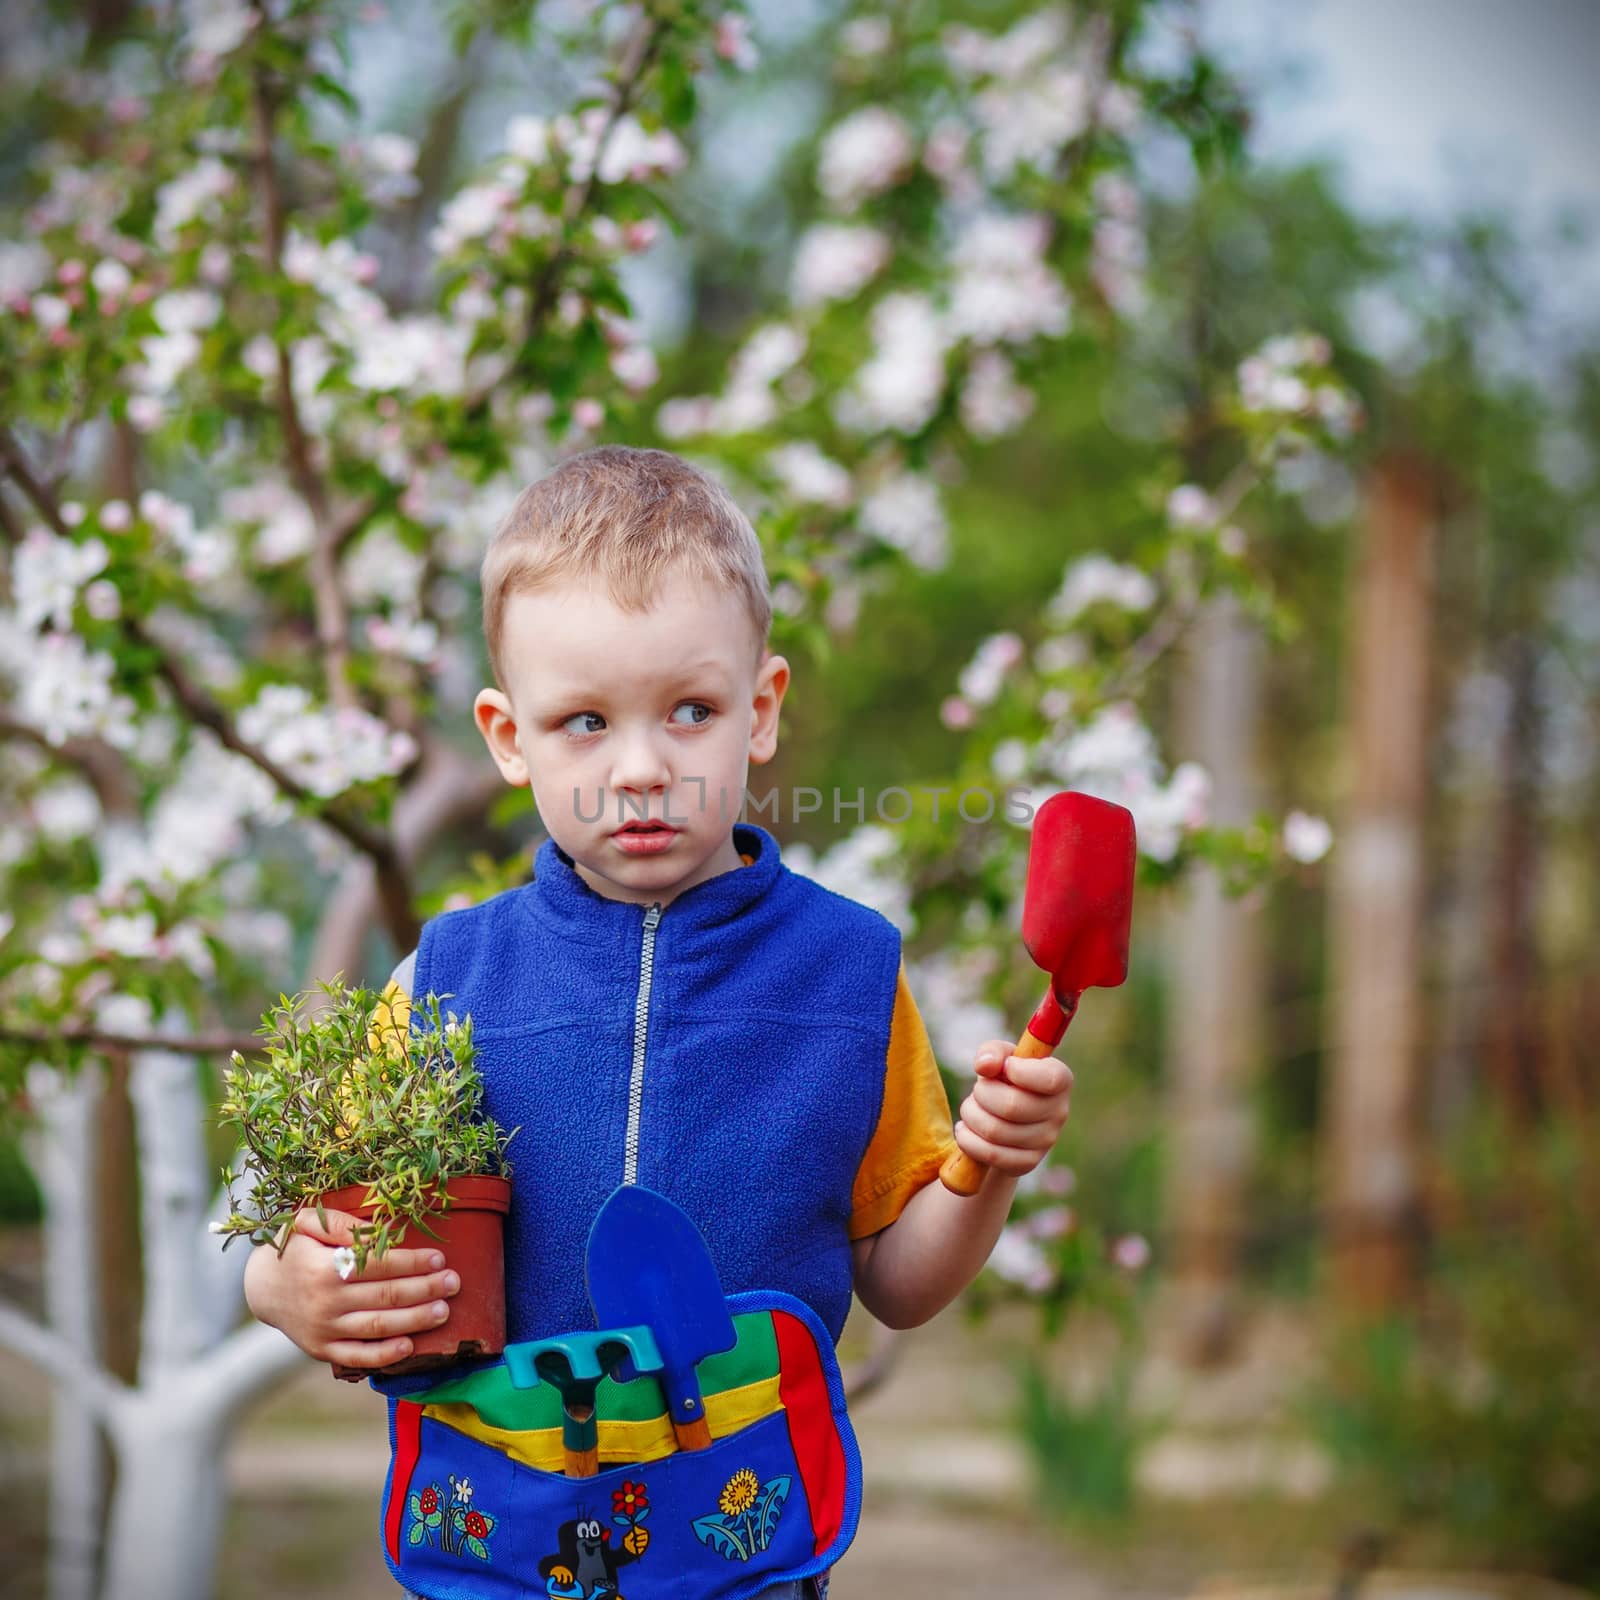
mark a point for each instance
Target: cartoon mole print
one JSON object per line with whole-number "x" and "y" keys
{"x": 585, "y": 1567}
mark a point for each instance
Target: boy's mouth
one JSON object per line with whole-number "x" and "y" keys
{"x": 644, "y": 838}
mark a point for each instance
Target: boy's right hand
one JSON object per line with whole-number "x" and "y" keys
{"x": 362, "y": 1322}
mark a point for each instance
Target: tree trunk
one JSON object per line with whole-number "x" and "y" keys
{"x": 1216, "y": 1043}
{"x": 62, "y": 1153}
{"x": 1373, "y": 1101}
{"x": 1515, "y": 1021}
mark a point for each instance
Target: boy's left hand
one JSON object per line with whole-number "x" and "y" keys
{"x": 1016, "y": 1110}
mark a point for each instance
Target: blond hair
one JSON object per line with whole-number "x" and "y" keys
{"x": 629, "y": 517}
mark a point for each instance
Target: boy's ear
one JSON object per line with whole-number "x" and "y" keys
{"x": 772, "y": 679}
{"x": 498, "y": 725}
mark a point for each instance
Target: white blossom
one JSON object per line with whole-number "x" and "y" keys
{"x": 47, "y": 573}
{"x": 528, "y": 139}
{"x": 836, "y": 261}
{"x": 111, "y": 279}
{"x": 865, "y": 36}
{"x": 124, "y": 1013}
{"x": 380, "y": 567}
{"x": 1036, "y": 88}
{"x": 68, "y": 692}
{"x": 1003, "y": 290}
{"x": 982, "y": 678}
{"x": 809, "y": 476}
{"x": 868, "y": 152}
{"x": 185, "y": 310}
{"x": 390, "y": 161}
{"x": 859, "y": 866}
{"x": 1274, "y": 379}
{"x": 1019, "y": 1260}
{"x": 166, "y": 358}
{"x": 630, "y": 151}
{"x": 733, "y": 43}
{"x": 51, "y": 312}
{"x": 1189, "y": 507}
{"x": 949, "y": 990}
{"x": 343, "y": 1261}
{"x": 193, "y": 194}
{"x": 471, "y": 213}
{"x": 905, "y": 512}
{"x": 64, "y": 810}
{"x": 993, "y": 403}
{"x": 24, "y": 265}
{"x": 218, "y": 26}
{"x": 1305, "y": 837}
{"x": 1163, "y": 814}
{"x": 125, "y": 934}
{"x": 901, "y": 384}
{"x": 1097, "y": 580}
{"x": 326, "y": 750}
{"x": 285, "y": 528}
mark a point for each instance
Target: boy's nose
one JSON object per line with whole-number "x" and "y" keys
{"x": 641, "y": 773}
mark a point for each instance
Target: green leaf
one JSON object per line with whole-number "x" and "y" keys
{"x": 415, "y": 1536}
{"x": 478, "y": 1548}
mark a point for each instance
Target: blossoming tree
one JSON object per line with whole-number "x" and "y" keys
{"x": 248, "y": 465}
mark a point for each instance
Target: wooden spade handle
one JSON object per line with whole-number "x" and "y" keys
{"x": 960, "y": 1174}
{"x": 694, "y": 1435}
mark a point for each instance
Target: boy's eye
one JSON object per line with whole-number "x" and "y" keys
{"x": 694, "y": 705}
{"x": 582, "y": 716}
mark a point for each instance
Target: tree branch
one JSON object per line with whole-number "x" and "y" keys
{"x": 333, "y": 614}
{"x": 448, "y": 789}
{"x": 10, "y": 528}
{"x": 108, "y": 774}
{"x": 35, "y": 1343}
{"x": 200, "y": 1044}
{"x": 16, "y": 465}
{"x": 248, "y": 1363}
{"x": 393, "y": 881}
{"x": 638, "y": 57}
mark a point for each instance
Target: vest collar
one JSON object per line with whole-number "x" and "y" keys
{"x": 563, "y": 900}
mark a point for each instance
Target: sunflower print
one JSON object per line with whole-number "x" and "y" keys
{"x": 746, "y": 1518}
{"x": 739, "y": 1493}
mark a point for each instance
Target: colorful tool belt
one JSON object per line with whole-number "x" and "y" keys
{"x": 477, "y": 1507}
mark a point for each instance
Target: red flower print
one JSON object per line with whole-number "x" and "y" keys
{"x": 477, "y": 1525}
{"x": 430, "y": 1501}
{"x": 629, "y": 1500}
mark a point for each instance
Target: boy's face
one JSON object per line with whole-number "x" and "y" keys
{"x": 617, "y": 719}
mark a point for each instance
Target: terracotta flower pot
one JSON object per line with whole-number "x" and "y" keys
{"x": 470, "y": 1237}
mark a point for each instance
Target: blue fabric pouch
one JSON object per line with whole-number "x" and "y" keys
{"x": 476, "y": 1506}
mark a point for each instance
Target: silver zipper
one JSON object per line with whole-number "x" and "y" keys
{"x": 641, "y": 1024}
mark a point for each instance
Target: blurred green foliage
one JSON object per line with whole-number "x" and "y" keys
{"x": 1477, "y": 1416}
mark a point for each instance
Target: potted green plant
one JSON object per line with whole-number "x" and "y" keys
{"x": 355, "y": 1106}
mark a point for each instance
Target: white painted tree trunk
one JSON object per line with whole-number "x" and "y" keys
{"x": 170, "y": 1436}
{"x": 1374, "y": 1095}
{"x": 1215, "y": 1041}
{"x": 61, "y": 1150}
{"x": 198, "y": 1371}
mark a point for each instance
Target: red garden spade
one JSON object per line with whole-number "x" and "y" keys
{"x": 648, "y": 1264}
{"x": 1076, "y": 911}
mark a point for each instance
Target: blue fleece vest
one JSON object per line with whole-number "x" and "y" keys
{"x": 727, "y": 1050}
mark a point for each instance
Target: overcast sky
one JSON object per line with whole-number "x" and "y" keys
{"x": 1430, "y": 103}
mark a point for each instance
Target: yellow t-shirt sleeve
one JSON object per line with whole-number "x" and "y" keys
{"x": 913, "y": 1135}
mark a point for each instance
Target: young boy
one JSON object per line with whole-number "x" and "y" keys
{"x": 665, "y": 1002}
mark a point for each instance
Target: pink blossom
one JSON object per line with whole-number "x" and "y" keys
{"x": 1131, "y": 1252}
{"x": 956, "y": 713}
